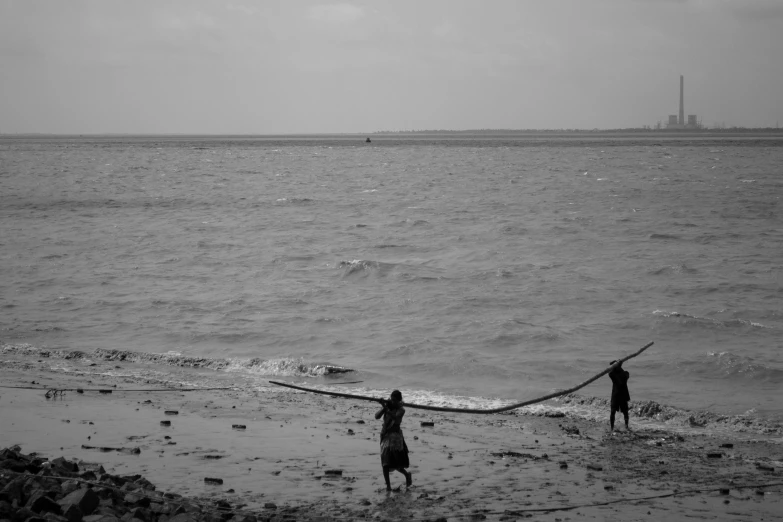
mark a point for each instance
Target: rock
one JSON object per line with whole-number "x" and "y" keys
{"x": 764, "y": 467}
{"x": 160, "y": 509}
{"x": 134, "y": 499}
{"x": 334, "y": 472}
{"x": 86, "y": 499}
{"x": 60, "y": 462}
{"x": 270, "y": 505}
{"x": 171, "y": 412}
{"x": 138, "y": 513}
{"x": 184, "y": 517}
{"x": 144, "y": 483}
{"x": 595, "y": 467}
{"x": 87, "y": 475}
{"x": 727, "y": 445}
{"x": 165, "y": 423}
{"x": 563, "y": 464}
{"x": 13, "y": 491}
{"x": 51, "y": 517}
{"x": 714, "y": 455}
{"x": 238, "y": 426}
{"x": 210, "y": 480}
{"x": 427, "y": 424}
{"x": 40, "y": 502}
{"x": 89, "y": 466}
{"x": 26, "y": 514}
{"x": 725, "y": 491}
{"x": 554, "y": 414}
{"x": 72, "y": 513}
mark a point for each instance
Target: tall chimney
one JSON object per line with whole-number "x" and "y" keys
{"x": 682, "y": 103}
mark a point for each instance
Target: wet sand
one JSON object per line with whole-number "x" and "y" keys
{"x": 543, "y": 466}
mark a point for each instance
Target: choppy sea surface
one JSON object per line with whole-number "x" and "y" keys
{"x": 480, "y": 270}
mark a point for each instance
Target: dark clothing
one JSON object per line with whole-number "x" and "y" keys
{"x": 394, "y": 451}
{"x": 620, "y": 394}
{"x": 620, "y": 406}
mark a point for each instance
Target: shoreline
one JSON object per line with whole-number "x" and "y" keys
{"x": 138, "y": 368}
{"x": 501, "y": 466}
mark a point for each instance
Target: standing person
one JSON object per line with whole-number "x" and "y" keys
{"x": 394, "y": 451}
{"x": 620, "y": 394}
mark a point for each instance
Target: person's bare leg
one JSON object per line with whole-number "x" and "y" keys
{"x": 386, "y": 478}
{"x": 626, "y": 422}
{"x": 408, "y": 476}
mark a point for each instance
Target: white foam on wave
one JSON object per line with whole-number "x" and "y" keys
{"x": 283, "y": 367}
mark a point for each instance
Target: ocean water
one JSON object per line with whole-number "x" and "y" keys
{"x": 478, "y": 269}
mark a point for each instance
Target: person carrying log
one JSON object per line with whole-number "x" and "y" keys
{"x": 620, "y": 393}
{"x": 394, "y": 451}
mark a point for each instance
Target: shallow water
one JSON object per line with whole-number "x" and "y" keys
{"x": 486, "y": 268}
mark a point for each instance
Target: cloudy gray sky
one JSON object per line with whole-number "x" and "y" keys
{"x": 309, "y": 66}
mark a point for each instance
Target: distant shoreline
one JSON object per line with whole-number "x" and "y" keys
{"x": 663, "y": 135}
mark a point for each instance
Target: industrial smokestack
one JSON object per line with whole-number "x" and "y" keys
{"x": 682, "y": 103}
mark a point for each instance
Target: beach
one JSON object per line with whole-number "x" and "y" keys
{"x": 288, "y": 455}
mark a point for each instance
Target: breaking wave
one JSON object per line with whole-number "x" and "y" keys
{"x": 694, "y": 320}
{"x": 280, "y": 367}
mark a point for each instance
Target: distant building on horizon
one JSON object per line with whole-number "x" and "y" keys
{"x": 677, "y": 121}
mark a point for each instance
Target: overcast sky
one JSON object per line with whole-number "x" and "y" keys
{"x": 308, "y": 66}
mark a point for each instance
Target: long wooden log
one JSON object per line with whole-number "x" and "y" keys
{"x": 472, "y": 410}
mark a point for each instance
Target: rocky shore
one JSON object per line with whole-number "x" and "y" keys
{"x": 35, "y": 489}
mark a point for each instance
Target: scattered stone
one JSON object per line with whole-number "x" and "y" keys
{"x": 725, "y": 491}
{"x": 171, "y": 412}
{"x": 106, "y": 449}
{"x": 504, "y": 454}
{"x": 563, "y": 464}
{"x": 764, "y": 467}
{"x": 210, "y": 480}
{"x": 427, "y": 424}
{"x": 595, "y": 467}
{"x": 334, "y": 472}
{"x": 554, "y": 414}
{"x": 238, "y": 427}
{"x": 270, "y": 505}
{"x": 165, "y": 423}
{"x": 727, "y": 445}
{"x": 714, "y": 455}
{"x": 360, "y": 421}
